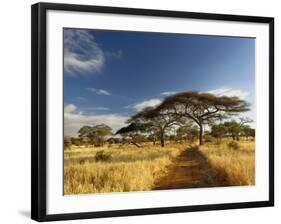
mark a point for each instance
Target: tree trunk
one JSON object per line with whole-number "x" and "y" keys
{"x": 162, "y": 139}
{"x": 162, "y": 142}
{"x": 200, "y": 135}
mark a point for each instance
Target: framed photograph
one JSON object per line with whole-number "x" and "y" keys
{"x": 139, "y": 111}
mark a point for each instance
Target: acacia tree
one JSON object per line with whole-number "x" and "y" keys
{"x": 158, "y": 118}
{"x": 218, "y": 131}
{"x": 100, "y": 131}
{"x": 86, "y": 135}
{"x": 94, "y": 135}
{"x": 202, "y": 108}
{"x": 235, "y": 128}
{"x": 133, "y": 131}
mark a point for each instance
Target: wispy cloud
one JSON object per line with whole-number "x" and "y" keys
{"x": 229, "y": 92}
{"x": 74, "y": 120}
{"x": 95, "y": 108}
{"x": 99, "y": 91}
{"x": 146, "y": 103}
{"x": 81, "y": 52}
{"x": 168, "y": 93}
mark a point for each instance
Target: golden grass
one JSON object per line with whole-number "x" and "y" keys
{"x": 236, "y": 166}
{"x": 127, "y": 168}
{"x": 118, "y": 170}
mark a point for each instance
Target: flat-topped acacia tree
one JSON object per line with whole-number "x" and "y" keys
{"x": 159, "y": 120}
{"x": 202, "y": 108}
{"x": 133, "y": 131}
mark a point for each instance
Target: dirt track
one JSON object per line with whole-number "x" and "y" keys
{"x": 190, "y": 170}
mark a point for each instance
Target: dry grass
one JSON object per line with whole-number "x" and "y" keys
{"x": 127, "y": 168}
{"x": 234, "y": 165}
{"x": 114, "y": 169}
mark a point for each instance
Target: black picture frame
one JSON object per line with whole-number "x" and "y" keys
{"x": 39, "y": 122}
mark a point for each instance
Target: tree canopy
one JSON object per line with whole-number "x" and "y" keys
{"x": 202, "y": 108}
{"x": 160, "y": 121}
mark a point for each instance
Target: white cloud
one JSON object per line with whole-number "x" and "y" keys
{"x": 146, "y": 103}
{"x": 70, "y": 108}
{"x": 99, "y": 91}
{"x": 168, "y": 93}
{"x": 230, "y": 92}
{"x": 81, "y": 52}
{"x": 74, "y": 120}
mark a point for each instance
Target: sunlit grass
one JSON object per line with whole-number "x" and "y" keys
{"x": 128, "y": 168}
{"x": 117, "y": 170}
{"x": 237, "y": 165}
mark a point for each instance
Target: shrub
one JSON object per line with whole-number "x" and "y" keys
{"x": 102, "y": 156}
{"x": 233, "y": 145}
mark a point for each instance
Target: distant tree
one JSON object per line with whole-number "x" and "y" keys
{"x": 233, "y": 129}
{"x": 86, "y": 134}
{"x": 132, "y": 131}
{"x": 76, "y": 141}
{"x": 100, "y": 132}
{"x": 253, "y": 133}
{"x": 156, "y": 118}
{"x": 218, "y": 131}
{"x": 248, "y": 131}
{"x": 94, "y": 135}
{"x": 187, "y": 132}
{"x": 202, "y": 108}
{"x": 66, "y": 142}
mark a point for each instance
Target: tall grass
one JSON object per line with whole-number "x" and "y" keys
{"x": 96, "y": 170}
{"x": 234, "y": 162}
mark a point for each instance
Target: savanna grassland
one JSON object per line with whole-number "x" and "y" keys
{"x": 111, "y": 169}
{"x": 115, "y": 168}
{"x": 165, "y": 147}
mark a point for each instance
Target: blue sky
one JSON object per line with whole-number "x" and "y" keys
{"x": 110, "y": 75}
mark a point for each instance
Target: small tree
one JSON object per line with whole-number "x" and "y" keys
{"x": 100, "y": 132}
{"x": 132, "y": 131}
{"x": 86, "y": 135}
{"x": 233, "y": 129}
{"x": 94, "y": 135}
{"x": 156, "y": 118}
{"x": 218, "y": 131}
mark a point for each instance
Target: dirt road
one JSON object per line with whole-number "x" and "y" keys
{"x": 190, "y": 170}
